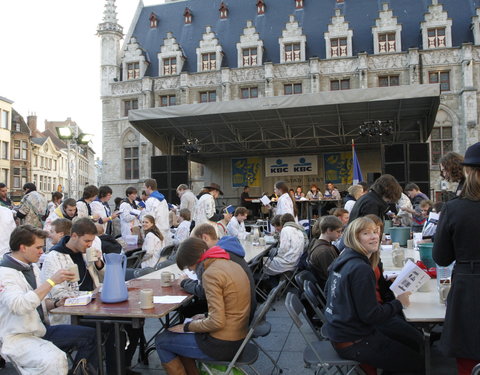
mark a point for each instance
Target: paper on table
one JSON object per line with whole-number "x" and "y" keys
{"x": 79, "y": 301}
{"x": 168, "y": 299}
{"x": 265, "y": 200}
{"x": 410, "y": 278}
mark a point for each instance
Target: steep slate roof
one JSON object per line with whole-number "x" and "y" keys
{"x": 17, "y": 118}
{"x": 314, "y": 18}
{"x": 39, "y": 141}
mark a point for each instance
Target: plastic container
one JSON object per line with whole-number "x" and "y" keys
{"x": 386, "y": 226}
{"x": 400, "y": 235}
{"x": 425, "y": 250}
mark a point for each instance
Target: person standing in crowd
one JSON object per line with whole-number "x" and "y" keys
{"x": 55, "y": 202}
{"x": 183, "y": 229}
{"x": 101, "y": 208}
{"x": 416, "y": 196}
{"x": 4, "y": 200}
{"x": 205, "y": 209}
{"x": 354, "y": 193}
{"x": 236, "y": 226}
{"x": 84, "y": 208}
{"x": 384, "y": 190}
{"x": 451, "y": 169}
{"x": 153, "y": 243}
{"x": 32, "y": 206}
{"x": 188, "y": 200}
{"x": 129, "y": 213}
{"x": 157, "y": 206}
{"x": 35, "y": 346}
{"x": 220, "y": 334}
{"x": 7, "y": 225}
{"x": 321, "y": 252}
{"x": 404, "y": 217}
{"x": 286, "y": 202}
{"x": 353, "y": 314}
{"x": 456, "y": 240}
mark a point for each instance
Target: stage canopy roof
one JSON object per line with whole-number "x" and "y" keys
{"x": 293, "y": 124}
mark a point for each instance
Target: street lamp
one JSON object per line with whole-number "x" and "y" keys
{"x": 70, "y": 135}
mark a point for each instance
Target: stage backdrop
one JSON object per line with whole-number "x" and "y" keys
{"x": 338, "y": 167}
{"x": 246, "y": 171}
{"x": 291, "y": 166}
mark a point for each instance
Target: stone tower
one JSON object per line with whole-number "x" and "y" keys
{"x": 110, "y": 33}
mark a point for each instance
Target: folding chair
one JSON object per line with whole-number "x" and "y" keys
{"x": 261, "y": 275}
{"x": 135, "y": 259}
{"x": 247, "y": 354}
{"x": 476, "y": 370}
{"x": 302, "y": 276}
{"x": 318, "y": 353}
{"x": 314, "y": 299}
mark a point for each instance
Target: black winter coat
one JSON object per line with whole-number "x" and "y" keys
{"x": 370, "y": 203}
{"x": 457, "y": 239}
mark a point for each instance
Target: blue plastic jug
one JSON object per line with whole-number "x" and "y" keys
{"x": 114, "y": 288}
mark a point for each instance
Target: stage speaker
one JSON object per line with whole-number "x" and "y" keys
{"x": 169, "y": 171}
{"x": 408, "y": 163}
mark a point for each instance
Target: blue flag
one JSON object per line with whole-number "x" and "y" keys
{"x": 357, "y": 171}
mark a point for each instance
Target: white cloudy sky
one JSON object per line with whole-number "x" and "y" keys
{"x": 49, "y": 60}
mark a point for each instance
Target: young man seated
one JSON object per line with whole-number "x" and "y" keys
{"x": 321, "y": 252}
{"x": 26, "y": 337}
{"x": 236, "y": 226}
{"x": 232, "y": 246}
{"x": 59, "y": 229}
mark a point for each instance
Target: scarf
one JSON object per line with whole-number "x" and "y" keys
{"x": 28, "y": 273}
{"x": 215, "y": 252}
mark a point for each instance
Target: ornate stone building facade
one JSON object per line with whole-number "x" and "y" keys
{"x": 189, "y": 52}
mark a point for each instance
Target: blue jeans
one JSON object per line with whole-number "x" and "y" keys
{"x": 171, "y": 344}
{"x": 67, "y": 337}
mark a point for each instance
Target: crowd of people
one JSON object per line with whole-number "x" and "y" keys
{"x": 41, "y": 241}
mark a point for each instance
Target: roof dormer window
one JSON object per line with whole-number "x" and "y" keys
{"x": 187, "y": 16}
{"x": 260, "y": 7}
{"x": 298, "y": 4}
{"x": 223, "y": 10}
{"x": 153, "y": 21}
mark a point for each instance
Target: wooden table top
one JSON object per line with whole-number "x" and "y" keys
{"x": 130, "y": 308}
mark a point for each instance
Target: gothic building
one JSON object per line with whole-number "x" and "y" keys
{"x": 193, "y": 70}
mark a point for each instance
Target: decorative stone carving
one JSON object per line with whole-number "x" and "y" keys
{"x": 339, "y": 66}
{"x": 166, "y": 83}
{"x": 205, "y": 79}
{"x": 247, "y": 74}
{"x": 436, "y": 18}
{"x": 385, "y": 62}
{"x": 250, "y": 39}
{"x": 292, "y": 34}
{"x": 209, "y": 44}
{"x": 441, "y": 57}
{"x": 385, "y": 26}
{"x": 127, "y": 87}
{"x": 170, "y": 50}
{"x": 291, "y": 70}
{"x": 338, "y": 31}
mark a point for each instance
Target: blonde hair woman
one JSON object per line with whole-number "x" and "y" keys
{"x": 358, "y": 326}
